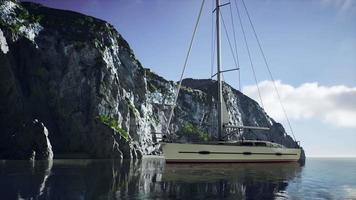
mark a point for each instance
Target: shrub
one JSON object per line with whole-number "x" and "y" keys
{"x": 194, "y": 133}
{"x": 112, "y": 123}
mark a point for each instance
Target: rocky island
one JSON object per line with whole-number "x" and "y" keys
{"x": 71, "y": 84}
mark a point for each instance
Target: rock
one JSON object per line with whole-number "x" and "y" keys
{"x": 302, "y": 159}
{"x": 106, "y": 145}
{"x": 69, "y": 72}
{"x": 82, "y": 79}
{"x": 31, "y": 143}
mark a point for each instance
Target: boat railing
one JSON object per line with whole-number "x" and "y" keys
{"x": 237, "y": 131}
{"x": 246, "y": 127}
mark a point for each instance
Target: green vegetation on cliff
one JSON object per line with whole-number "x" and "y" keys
{"x": 194, "y": 133}
{"x": 112, "y": 123}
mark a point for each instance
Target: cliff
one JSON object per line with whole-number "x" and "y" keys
{"x": 78, "y": 78}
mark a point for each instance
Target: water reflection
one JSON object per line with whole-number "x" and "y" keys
{"x": 142, "y": 179}
{"x": 232, "y": 181}
{"x": 23, "y": 179}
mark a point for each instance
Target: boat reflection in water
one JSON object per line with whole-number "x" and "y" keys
{"x": 150, "y": 178}
{"x": 232, "y": 181}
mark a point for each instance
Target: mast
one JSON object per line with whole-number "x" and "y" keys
{"x": 218, "y": 57}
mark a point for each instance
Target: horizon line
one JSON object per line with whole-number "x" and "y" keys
{"x": 331, "y": 156}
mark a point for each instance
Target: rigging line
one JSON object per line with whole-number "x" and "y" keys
{"x": 235, "y": 44}
{"x": 213, "y": 40}
{"x": 228, "y": 40}
{"x": 212, "y": 60}
{"x": 185, "y": 64}
{"x": 213, "y": 54}
{"x": 249, "y": 54}
{"x": 268, "y": 68}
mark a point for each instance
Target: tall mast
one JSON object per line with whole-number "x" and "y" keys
{"x": 220, "y": 97}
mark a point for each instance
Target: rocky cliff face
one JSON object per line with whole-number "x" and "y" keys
{"x": 79, "y": 77}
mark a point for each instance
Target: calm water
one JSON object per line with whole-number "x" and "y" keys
{"x": 151, "y": 178}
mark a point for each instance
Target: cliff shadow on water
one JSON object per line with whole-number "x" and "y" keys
{"x": 140, "y": 179}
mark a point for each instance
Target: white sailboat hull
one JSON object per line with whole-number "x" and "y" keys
{"x": 179, "y": 152}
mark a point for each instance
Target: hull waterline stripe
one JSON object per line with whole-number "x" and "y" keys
{"x": 242, "y": 153}
{"x": 227, "y": 161}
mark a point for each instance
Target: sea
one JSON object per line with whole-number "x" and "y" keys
{"x": 152, "y": 178}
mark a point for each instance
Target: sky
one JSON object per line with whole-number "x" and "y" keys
{"x": 310, "y": 47}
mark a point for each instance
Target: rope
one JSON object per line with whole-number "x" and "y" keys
{"x": 228, "y": 40}
{"x": 213, "y": 40}
{"x": 235, "y": 44}
{"x": 268, "y": 68}
{"x": 249, "y": 54}
{"x": 185, "y": 65}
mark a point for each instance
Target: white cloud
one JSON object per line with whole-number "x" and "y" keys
{"x": 335, "y": 105}
{"x": 342, "y": 5}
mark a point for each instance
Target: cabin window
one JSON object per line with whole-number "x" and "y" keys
{"x": 260, "y": 144}
{"x": 247, "y": 144}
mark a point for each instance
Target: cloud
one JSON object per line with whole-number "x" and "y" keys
{"x": 341, "y": 5}
{"x": 334, "y": 105}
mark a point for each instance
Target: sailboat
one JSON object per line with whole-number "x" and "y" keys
{"x": 227, "y": 151}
